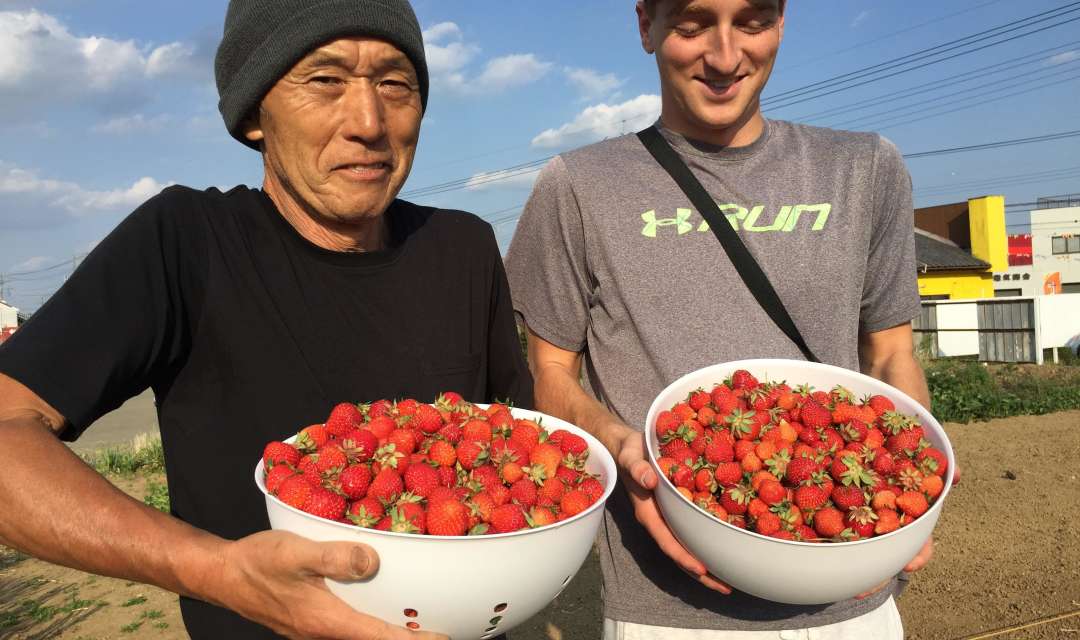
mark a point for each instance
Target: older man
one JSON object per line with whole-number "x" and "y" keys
{"x": 250, "y": 313}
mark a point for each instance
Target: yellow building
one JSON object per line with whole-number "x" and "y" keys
{"x": 958, "y": 247}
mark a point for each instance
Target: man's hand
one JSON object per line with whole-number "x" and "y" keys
{"x": 640, "y": 479}
{"x": 275, "y": 578}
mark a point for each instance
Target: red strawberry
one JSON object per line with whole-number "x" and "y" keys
{"x": 406, "y": 407}
{"x": 476, "y": 430}
{"x": 507, "y": 517}
{"x": 360, "y": 445}
{"x": 883, "y": 462}
{"x": 861, "y": 520}
{"x": 280, "y": 453}
{"x": 854, "y": 430}
{"x": 743, "y": 379}
{"x": 355, "y": 480}
{"x": 381, "y": 426}
{"x": 846, "y": 497}
{"x": 574, "y": 502}
{"x": 735, "y": 500}
{"x": 471, "y": 454}
{"x": 666, "y": 422}
{"x": 366, "y": 512}
{"x": 451, "y": 433}
{"x": 904, "y": 443}
{"x": 728, "y": 474}
{"x": 487, "y": 476}
{"x": 887, "y": 520}
{"x": 421, "y": 479}
{"x": 880, "y": 404}
{"x": 814, "y": 416}
{"x": 311, "y": 438}
{"x": 573, "y": 445}
{"x": 912, "y": 503}
{"x": 447, "y": 518}
{"x": 277, "y": 475}
{"x": 828, "y": 522}
{"x": 386, "y": 485}
{"x": 525, "y": 434}
{"x": 767, "y": 524}
{"x": 809, "y": 497}
{"x": 442, "y": 453}
{"x": 800, "y": 469}
{"x": 931, "y": 460}
{"x": 772, "y": 492}
{"x": 524, "y": 492}
{"x": 331, "y": 458}
{"x": 404, "y": 440}
{"x": 343, "y": 418}
{"x": 541, "y": 517}
{"x": 592, "y": 488}
{"x": 719, "y": 450}
{"x": 427, "y": 419}
{"x": 546, "y": 455}
{"x": 324, "y": 504}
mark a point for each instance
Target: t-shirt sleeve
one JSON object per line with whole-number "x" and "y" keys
{"x": 508, "y": 377}
{"x": 116, "y": 325}
{"x": 546, "y": 265}
{"x": 891, "y": 289}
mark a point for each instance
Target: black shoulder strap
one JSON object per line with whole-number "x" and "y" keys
{"x": 740, "y": 256}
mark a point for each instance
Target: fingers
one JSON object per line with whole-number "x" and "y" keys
{"x": 867, "y": 594}
{"x": 342, "y": 561}
{"x": 649, "y": 516}
{"x": 338, "y": 620}
{"x": 956, "y": 473}
{"x": 633, "y": 461}
{"x": 920, "y": 560}
{"x": 710, "y": 581}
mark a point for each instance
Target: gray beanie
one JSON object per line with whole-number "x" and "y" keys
{"x": 265, "y": 38}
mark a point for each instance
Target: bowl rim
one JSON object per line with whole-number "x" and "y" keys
{"x": 924, "y": 415}
{"x": 606, "y": 461}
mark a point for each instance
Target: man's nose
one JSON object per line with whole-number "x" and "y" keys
{"x": 724, "y": 54}
{"x": 364, "y": 117}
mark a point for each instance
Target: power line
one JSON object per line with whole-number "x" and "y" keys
{"x": 995, "y": 145}
{"x": 993, "y": 69}
{"x": 930, "y": 52}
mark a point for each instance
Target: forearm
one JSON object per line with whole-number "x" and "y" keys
{"x": 903, "y": 371}
{"x": 78, "y": 519}
{"x": 558, "y": 393}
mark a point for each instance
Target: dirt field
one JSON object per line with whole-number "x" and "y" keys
{"x": 1008, "y": 554}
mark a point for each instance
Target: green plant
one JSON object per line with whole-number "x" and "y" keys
{"x": 145, "y": 454}
{"x": 130, "y": 628}
{"x": 134, "y": 601}
{"x": 962, "y": 391}
{"x": 157, "y": 496}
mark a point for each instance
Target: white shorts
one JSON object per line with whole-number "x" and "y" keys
{"x": 882, "y": 623}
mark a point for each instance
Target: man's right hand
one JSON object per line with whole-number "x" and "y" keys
{"x": 640, "y": 480}
{"x": 276, "y": 578}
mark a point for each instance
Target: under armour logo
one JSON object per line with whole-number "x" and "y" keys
{"x": 681, "y": 220}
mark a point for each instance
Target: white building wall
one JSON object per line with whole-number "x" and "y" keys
{"x": 9, "y": 316}
{"x": 1046, "y": 223}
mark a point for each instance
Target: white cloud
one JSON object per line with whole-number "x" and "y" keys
{"x": 602, "y": 121}
{"x": 448, "y": 55}
{"x": 592, "y": 84}
{"x": 30, "y": 200}
{"x": 859, "y": 19}
{"x": 1065, "y": 56}
{"x": 137, "y": 123}
{"x": 32, "y": 263}
{"x": 43, "y": 63}
{"x": 514, "y": 179}
{"x": 511, "y": 71}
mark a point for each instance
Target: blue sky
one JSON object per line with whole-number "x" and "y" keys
{"x": 104, "y": 103}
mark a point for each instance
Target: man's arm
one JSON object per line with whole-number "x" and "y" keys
{"x": 556, "y": 373}
{"x": 889, "y": 356}
{"x": 60, "y": 510}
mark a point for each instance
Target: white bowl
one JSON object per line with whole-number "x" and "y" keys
{"x": 468, "y": 587}
{"x": 813, "y": 573}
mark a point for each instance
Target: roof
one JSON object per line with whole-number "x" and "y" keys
{"x": 934, "y": 253}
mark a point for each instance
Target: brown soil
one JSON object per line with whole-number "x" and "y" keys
{"x": 1008, "y": 555}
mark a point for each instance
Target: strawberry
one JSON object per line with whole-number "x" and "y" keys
{"x": 526, "y": 434}
{"x": 508, "y": 517}
{"x": 883, "y": 463}
{"x": 592, "y": 488}
{"x": 381, "y": 426}
{"x": 884, "y": 500}
{"x": 728, "y": 474}
{"x": 743, "y": 379}
{"x": 524, "y": 492}
{"x": 666, "y": 422}
{"x": 552, "y": 490}
{"x": 541, "y": 517}
{"x": 476, "y": 431}
{"x": 880, "y": 404}
{"x": 932, "y": 460}
{"x": 427, "y": 419}
{"x": 932, "y": 486}
{"x": 846, "y": 497}
{"x": 809, "y": 497}
{"x": 447, "y": 518}
{"x": 482, "y": 505}
{"x": 767, "y": 524}
{"x": 698, "y": 399}
{"x": 814, "y": 416}
{"x": 574, "y": 502}
{"x": 546, "y": 455}
{"x": 828, "y": 522}
{"x": 861, "y": 520}
{"x": 324, "y": 504}
{"x": 442, "y": 453}
{"x": 887, "y": 520}
{"x": 406, "y": 407}
{"x": 471, "y": 454}
{"x": 359, "y": 445}
{"x": 912, "y": 503}
{"x": 904, "y": 443}
{"x": 771, "y": 492}
{"x": 386, "y": 486}
{"x": 451, "y": 433}
{"x": 735, "y": 499}
{"x": 719, "y": 450}
{"x": 311, "y": 438}
{"x": 280, "y": 453}
{"x": 421, "y": 479}
{"x": 331, "y": 458}
{"x": 854, "y": 430}
{"x": 355, "y": 480}
{"x": 277, "y": 475}
{"x": 343, "y": 418}
{"x": 573, "y": 445}
{"x": 366, "y": 512}
{"x": 800, "y": 469}
{"x": 487, "y": 476}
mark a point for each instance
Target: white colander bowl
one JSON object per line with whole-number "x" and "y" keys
{"x": 781, "y": 570}
{"x": 469, "y": 587}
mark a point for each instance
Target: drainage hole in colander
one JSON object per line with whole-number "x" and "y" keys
{"x": 564, "y": 582}
{"x": 489, "y": 629}
{"x": 411, "y": 613}
{"x": 412, "y": 625}
{"x": 486, "y": 636}
{"x": 499, "y": 608}
{"x": 495, "y": 621}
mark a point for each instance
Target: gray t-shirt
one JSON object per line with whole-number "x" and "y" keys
{"x": 611, "y": 259}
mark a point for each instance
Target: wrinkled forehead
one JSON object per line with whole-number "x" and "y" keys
{"x": 354, "y": 51}
{"x": 673, "y": 6}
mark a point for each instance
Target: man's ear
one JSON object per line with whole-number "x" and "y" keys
{"x": 644, "y": 24}
{"x": 252, "y": 126}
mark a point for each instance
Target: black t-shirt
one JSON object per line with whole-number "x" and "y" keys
{"x": 247, "y": 332}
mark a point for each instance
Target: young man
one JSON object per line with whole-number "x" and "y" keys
{"x": 612, "y": 267}
{"x": 251, "y": 313}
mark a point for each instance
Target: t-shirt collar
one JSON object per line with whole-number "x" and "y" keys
{"x": 685, "y": 145}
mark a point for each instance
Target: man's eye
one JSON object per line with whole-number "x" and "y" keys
{"x": 395, "y": 88}
{"x": 326, "y": 80}
{"x": 688, "y": 29}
